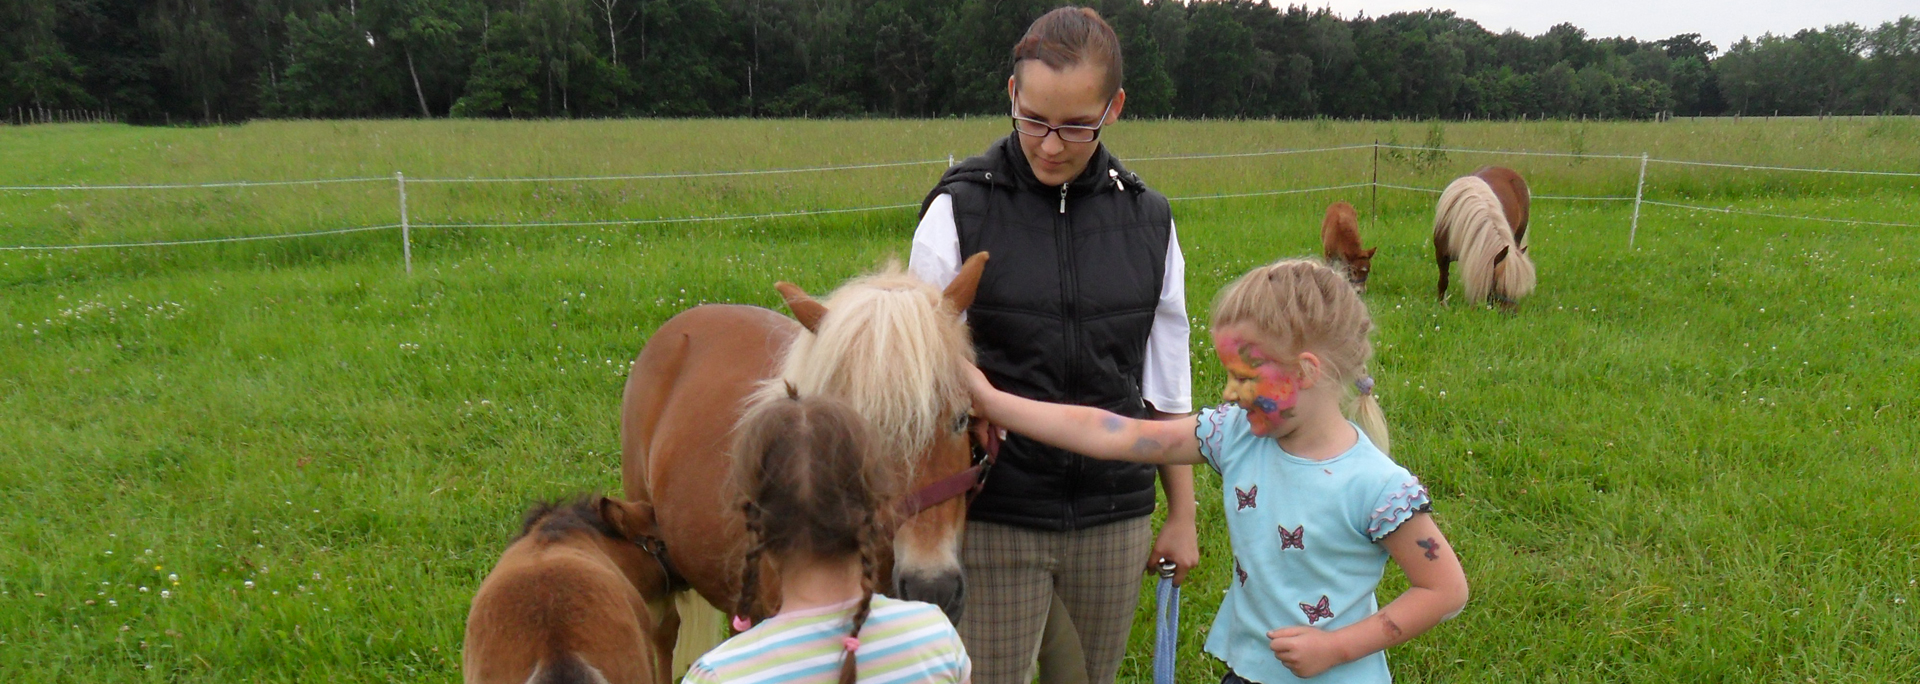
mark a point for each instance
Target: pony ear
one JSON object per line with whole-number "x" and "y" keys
{"x": 630, "y": 518}
{"x": 1502, "y": 256}
{"x": 960, "y": 292}
{"x": 1371, "y": 251}
{"x": 1523, "y": 249}
{"x": 804, "y": 308}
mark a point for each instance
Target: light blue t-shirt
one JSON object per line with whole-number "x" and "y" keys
{"x": 1305, "y": 542}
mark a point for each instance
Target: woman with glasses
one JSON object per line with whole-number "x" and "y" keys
{"x": 1082, "y": 302}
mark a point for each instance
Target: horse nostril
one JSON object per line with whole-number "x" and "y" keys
{"x": 948, "y": 590}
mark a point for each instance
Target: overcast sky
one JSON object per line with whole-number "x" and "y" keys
{"x": 1722, "y": 22}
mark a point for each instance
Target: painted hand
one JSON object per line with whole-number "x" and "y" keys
{"x": 1179, "y": 542}
{"x": 1307, "y": 651}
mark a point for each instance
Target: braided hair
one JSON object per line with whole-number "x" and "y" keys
{"x": 810, "y": 480}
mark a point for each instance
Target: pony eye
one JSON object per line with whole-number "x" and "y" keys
{"x": 960, "y": 422}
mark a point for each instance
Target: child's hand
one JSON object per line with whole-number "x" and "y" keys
{"x": 1307, "y": 651}
{"x": 977, "y": 383}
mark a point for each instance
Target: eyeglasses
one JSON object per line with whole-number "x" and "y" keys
{"x": 1068, "y": 133}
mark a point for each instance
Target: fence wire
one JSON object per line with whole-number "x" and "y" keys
{"x": 927, "y": 162}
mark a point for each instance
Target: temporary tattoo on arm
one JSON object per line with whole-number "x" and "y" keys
{"x": 1431, "y": 546}
{"x": 1147, "y": 447}
{"x": 1112, "y": 423}
{"x": 1387, "y": 625}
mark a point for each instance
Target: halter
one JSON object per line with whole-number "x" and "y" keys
{"x": 968, "y": 482}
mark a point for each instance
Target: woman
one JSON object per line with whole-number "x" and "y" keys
{"x": 1083, "y": 302}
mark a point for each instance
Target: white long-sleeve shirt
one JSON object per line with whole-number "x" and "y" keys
{"x": 1166, "y": 382}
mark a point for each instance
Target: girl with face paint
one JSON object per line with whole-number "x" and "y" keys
{"x": 1314, "y": 506}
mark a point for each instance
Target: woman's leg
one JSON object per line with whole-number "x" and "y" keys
{"x": 1099, "y": 580}
{"x": 1062, "y": 661}
{"x": 1009, "y": 588}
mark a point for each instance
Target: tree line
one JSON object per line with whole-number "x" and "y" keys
{"x": 154, "y": 61}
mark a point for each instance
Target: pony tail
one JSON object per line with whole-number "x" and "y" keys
{"x": 743, "y": 605}
{"x": 1373, "y": 421}
{"x": 1366, "y": 412}
{"x": 849, "y": 669}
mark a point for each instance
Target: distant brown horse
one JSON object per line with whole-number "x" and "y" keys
{"x": 564, "y": 604}
{"x": 1515, "y": 201}
{"x": 892, "y": 347}
{"x": 1469, "y": 227}
{"x": 1340, "y": 239}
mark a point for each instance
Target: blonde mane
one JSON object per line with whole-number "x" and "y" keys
{"x": 1474, "y": 228}
{"x": 893, "y": 348}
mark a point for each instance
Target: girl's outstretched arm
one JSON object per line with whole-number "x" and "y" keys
{"x": 1088, "y": 430}
{"x": 1437, "y": 591}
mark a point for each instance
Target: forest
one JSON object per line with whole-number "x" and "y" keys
{"x": 180, "y": 61}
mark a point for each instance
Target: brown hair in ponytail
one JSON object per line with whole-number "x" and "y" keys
{"x": 1068, "y": 37}
{"x": 812, "y": 482}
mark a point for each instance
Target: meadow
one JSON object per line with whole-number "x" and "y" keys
{"x": 290, "y": 460}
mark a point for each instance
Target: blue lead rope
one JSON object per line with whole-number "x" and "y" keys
{"x": 1166, "y": 626}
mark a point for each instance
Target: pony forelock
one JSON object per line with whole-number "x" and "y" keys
{"x": 1474, "y": 227}
{"x": 891, "y": 347}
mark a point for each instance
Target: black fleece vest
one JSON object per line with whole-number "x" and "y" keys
{"x": 1062, "y": 314}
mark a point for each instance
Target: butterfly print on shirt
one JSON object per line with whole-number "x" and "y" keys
{"x": 1240, "y": 572}
{"x": 1296, "y": 539}
{"x": 1317, "y": 611}
{"x": 1247, "y": 497}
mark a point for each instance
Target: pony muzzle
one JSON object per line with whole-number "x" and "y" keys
{"x": 944, "y": 588}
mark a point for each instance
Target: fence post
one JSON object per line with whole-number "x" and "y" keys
{"x": 1373, "y": 204}
{"x": 1639, "y": 192}
{"x": 949, "y": 160}
{"x": 406, "y": 230}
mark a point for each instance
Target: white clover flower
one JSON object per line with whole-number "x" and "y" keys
{"x": 143, "y": 590}
{"x": 249, "y": 584}
{"x": 171, "y": 577}
{"x": 166, "y": 594}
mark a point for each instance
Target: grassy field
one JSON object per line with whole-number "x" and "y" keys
{"x": 289, "y": 461}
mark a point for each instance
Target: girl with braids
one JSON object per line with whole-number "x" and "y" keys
{"x": 815, "y": 493}
{"x": 1314, "y": 506}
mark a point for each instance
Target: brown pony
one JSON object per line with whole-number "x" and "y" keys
{"x": 564, "y": 604}
{"x": 1515, "y": 201}
{"x": 1469, "y": 227}
{"x": 1340, "y": 239}
{"x": 892, "y": 347}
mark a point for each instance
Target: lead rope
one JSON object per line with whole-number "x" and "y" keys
{"x": 1166, "y": 626}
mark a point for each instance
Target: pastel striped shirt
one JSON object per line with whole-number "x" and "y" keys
{"x": 902, "y": 641}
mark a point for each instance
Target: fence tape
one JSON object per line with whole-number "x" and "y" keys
{"x": 207, "y": 241}
{"x": 1269, "y": 153}
{"x": 1568, "y": 198}
{"x": 1730, "y": 210}
{"x": 682, "y": 219}
{"x": 1269, "y": 193}
{"x": 180, "y": 186}
{"x": 1520, "y": 153}
{"x": 663, "y": 176}
{"x": 1751, "y": 167}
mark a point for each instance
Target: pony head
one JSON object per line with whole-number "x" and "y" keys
{"x": 896, "y": 350}
{"x": 1358, "y": 268}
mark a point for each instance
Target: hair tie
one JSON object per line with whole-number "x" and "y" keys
{"x": 741, "y": 624}
{"x": 852, "y": 643}
{"x": 1365, "y": 383}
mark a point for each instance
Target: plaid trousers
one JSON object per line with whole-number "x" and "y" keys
{"x": 1013, "y": 574}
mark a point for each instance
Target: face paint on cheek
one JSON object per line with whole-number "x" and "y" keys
{"x": 1275, "y": 396}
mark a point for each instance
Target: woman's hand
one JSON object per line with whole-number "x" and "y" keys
{"x": 1179, "y": 542}
{"x": 1307, "y": 651}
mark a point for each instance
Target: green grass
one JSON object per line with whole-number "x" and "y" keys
{"x": 1691, "y": 461}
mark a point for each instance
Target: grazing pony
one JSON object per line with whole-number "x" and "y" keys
{"x": 1515, "y": 201}
{"x": 1340, "y": 239}
{"x": 564, "y": 604}
{"x": 890, "y": 346}
{"x": 1469, "y": 227}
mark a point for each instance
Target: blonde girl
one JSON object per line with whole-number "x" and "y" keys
{"x": 1314, "y": 506}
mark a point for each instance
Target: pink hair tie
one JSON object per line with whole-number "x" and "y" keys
{"x": 740, "y": 623}
{"x": 852, "y": 643}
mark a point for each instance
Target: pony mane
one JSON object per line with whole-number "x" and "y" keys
{"x": 891, "y": 347}
{"x": 1475, "y": 229}
{"x": 556, "y": 519}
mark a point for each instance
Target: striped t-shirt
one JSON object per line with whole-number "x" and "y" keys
{"x": 902, "y": 641}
